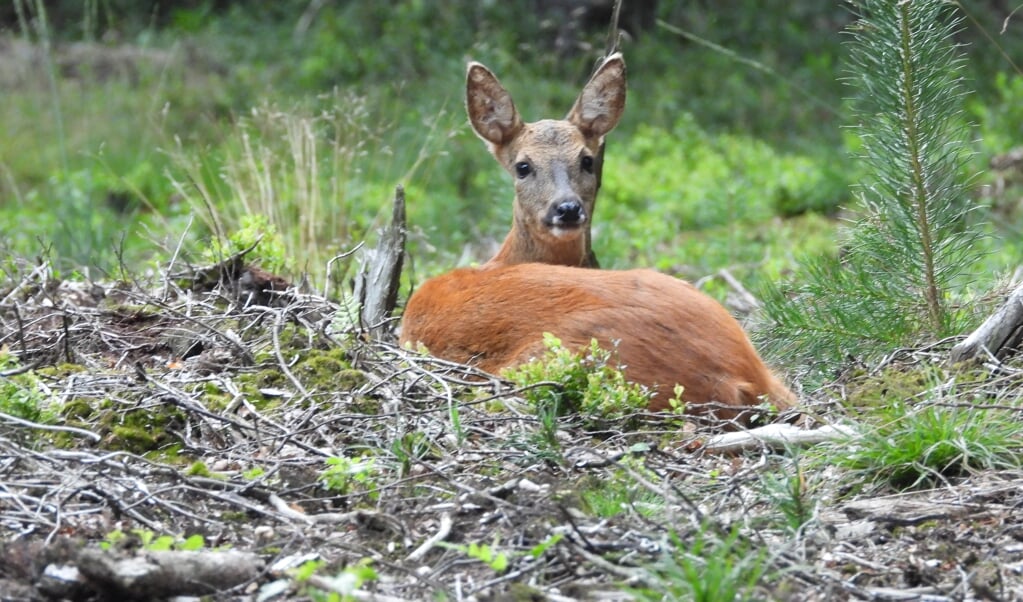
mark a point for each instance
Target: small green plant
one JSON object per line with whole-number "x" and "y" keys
{"x": 614, "y": 498}
{"x": 487, "y": 554}
{"x": 152, "y": 542}
{"x": 906, "y": 446}
{"x": 20, "y": 394}
{"x": 587, "y": 383}
{"x": 409, "y": 449}
{"x": 617, "y": 492}
{"x": 257, "y": 233}
{"x": 253, "y": 473}
{"x": 340, "y": 587}
{"x": 709, "y": 569}
{"x": 541, "y": 548}
{"x": 345, "y": 476}
{"x": 791, "y": 494}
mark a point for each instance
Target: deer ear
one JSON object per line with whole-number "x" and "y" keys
{"x": 491, "y": 110}
{"x": 601, "y": 103}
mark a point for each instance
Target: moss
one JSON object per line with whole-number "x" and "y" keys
{"x": 890, "y": 385}
{"x": 366, "y": 405}
{"x": 140, "y": 431}
{"x": 198, "y": 469}
{"x": 60, "y": 370}
{"x": 349, "y": 380}
{"x": 328, "y": 370}
{"x": 80, "y": 409}
{"x": 214, "y": 397}
{"x": 168, "y": 454}
{"x": 318, "y": 365}
{"x": 269, "y": 378}
{"x": 133, "y": 439}
{"x": 235, "y": 516}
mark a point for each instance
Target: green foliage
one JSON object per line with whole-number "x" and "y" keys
{"x": 790, "y": 491}
{"x": 152, "y": 542}
{"x": 21, "y": 395}
{"x": 342, "y": 586}
{"x": 487, "y": 554}
{"x": 541, "y": 548}
{"x": 586, "y": 383}
{"x": 319, "y": 174}
{"x": 346, "y": 476}
{"x": 709, "y": 569}
{"x": 905, "y": 446}
{"x": 409, "y": 449}
{"x": 999, "y": 118}
{"x": 912, "y": 246}
{"x": 617, "y": 493}
{"x": 254, "y": 232}
{"x": 253, "y": 473}
{"x": 697, "y": 179}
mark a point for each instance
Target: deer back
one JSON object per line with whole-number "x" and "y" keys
{"x": 664, "y": 332}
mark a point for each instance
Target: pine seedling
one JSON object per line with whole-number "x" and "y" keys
{"x": 912, "y": 245}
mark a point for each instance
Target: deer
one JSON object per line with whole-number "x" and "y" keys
{"x": 663, "y": 332}
{"x": 556, "y": 164}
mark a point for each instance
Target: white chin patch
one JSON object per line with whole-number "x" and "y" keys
{"x": 562, "y": 232}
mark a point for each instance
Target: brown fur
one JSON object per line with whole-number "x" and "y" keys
{"x": 667, "y": 332}
{"x": 554, "y": 151}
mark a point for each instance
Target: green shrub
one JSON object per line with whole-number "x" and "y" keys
{"x": 685, "y": 178}
{"x": 586, "y": 383}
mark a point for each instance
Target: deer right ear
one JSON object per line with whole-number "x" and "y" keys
{"x": 491, "y": 110}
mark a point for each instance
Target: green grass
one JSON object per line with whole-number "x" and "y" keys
{"x": 708, "y": 568}
{"x": 907, "y": 446}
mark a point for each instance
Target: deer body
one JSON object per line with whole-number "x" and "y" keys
{"x": 663, "y": 330}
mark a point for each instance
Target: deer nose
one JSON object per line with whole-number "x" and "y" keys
{"x": 569, "y": 212}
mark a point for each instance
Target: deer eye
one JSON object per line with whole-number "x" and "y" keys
{"x": 587, "y": 164}
{"x": 523, "y": 169}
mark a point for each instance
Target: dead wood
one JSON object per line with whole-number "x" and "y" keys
{"x": 161, "y": 575}
{"x": 999, "y": 336}
{"x": 376, "y": 285}
{"x": 777, "y": 436}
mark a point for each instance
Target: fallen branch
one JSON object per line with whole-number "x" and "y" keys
{"x": 999, "y": 336}
{"x": 160, "y": 575}
{"x": 774, "y": 436}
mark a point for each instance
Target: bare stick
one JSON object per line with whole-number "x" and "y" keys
{"x": 442, "y": 531}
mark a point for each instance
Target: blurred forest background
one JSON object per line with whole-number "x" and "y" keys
{"x": 137, "y": 131}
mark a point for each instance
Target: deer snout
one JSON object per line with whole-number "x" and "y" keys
{"x": 567, "y": 214}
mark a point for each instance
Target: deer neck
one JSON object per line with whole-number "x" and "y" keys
{"x": 521, "y": 247}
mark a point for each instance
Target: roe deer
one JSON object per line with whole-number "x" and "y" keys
{"x": 555, "y": 163}
{"x": 663, "y": 330}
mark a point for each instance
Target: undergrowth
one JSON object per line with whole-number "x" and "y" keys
{"x": 586, "y": 383}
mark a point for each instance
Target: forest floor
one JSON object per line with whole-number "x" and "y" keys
{"x": 189, "y": 406}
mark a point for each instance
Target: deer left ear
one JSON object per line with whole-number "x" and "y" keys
{"x": 601, "y": 103}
